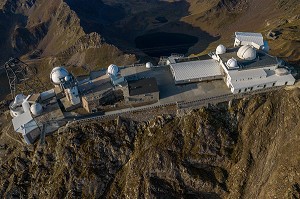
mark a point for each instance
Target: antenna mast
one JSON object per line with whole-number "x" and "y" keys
{"x": 22, "y": 78}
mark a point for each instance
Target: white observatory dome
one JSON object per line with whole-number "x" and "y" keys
{"x": 149, "y": 65}
{"x": 246, "y": 53}
{"x": 232, "y": 63}
{"x": 57, "y": 74}
{"x": 221, "y": 49}
{"x": 19, "y": 99}
{"x": 112, "y": 70}
{"x": 67, "y": 78}
{"x": 36, "y": 109}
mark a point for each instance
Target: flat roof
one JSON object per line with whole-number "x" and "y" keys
{"x": 97, "y": 93}
{"x": 20, "y": 122}
{"x": 262, "y": 59}
{"x": 195, "y": 69}
{"x": 245, "y": 74}
{"x": 95, "y": 85}
{"x": 256, "y": 38}
{"x": 142, "y": 86}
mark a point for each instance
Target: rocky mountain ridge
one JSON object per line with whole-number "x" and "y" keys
{"x": 248, "y": 150}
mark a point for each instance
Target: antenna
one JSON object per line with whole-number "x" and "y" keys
{"x": 22, "y": 77}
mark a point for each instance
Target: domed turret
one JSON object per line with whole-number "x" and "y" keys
{"x": 232, "y": 63}
{"x": 246, "y": 53}
{"x": 221, "y": 49}
{"x": 36, "y": 109}
{"x": 112, "y": 70}
{"x": 67, "y": 78}
{"x": 19, "y": 99}
{"x": 57, "y": 74}
{"x": 149, "y": 65}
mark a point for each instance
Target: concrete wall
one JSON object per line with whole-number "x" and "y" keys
{"x": 199, "y": 79}
{"x": 149, "y": 97}
{"x": 111, "y": 96}
{"x": 261, "y": 86}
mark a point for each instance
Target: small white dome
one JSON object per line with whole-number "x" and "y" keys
{"x": 232, "y": 63}
{"x": 57, "y": 74}
{"x": 67, "y": 78}
{"x": 36, "y": 109}
{"x": 149, "y": 65}
{"x": 112, "y": 70}
{"x": 246, "y": 53}
{"x": 19, "y": 99}
{"x": 221, "y": 49}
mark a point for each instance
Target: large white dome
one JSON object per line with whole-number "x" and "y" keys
{"x": 221, "y": 49}
{"x": 246, "y": 53}
{"x": 112, "y": 70}
{"x": 232, "y": 63}
{"x": 36, "y": 109}
{"x": 57, "y": 74}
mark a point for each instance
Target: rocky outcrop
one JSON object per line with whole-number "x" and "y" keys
{"x": 248, "y": 151}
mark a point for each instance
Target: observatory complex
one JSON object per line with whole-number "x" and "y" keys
{"x": 244, "y": 68}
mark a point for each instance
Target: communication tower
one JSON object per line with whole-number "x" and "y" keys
{"x": 22, "y": 78}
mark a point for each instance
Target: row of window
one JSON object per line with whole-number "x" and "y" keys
{"x": 251, "y": 88}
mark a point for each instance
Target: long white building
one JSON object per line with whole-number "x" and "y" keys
{"x": 246, "y": 67}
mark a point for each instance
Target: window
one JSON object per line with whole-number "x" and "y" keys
{"x": 273, "y": 84}
{"x": 286, "y": 83}
{"x": 265, "y": 86}
{"x": 240, "y": 90}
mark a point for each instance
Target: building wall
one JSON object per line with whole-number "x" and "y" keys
{"x": 261, "y": 86}
{"x": 86, "y": 104}
{"x": 109, "y": 97}
{"x": 149, "y": 97}
{"x": 199, "y": 79}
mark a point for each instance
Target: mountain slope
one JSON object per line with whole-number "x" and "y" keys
{"x": 51, "y": 31}
{"x": 209, "y": 153}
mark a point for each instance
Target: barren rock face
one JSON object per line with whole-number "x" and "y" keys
{"x": 249, "y": 151}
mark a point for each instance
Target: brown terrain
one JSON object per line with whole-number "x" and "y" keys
{"x": 248, "y": 150}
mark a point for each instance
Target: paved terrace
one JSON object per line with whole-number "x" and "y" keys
{"x": 185, "y": 97}
{"x": 169, "y": 92}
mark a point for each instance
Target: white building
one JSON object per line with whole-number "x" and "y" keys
{"x": 246, "y": 67}
{"x": 60, "y": 77}
{"x": 115, "y": 77}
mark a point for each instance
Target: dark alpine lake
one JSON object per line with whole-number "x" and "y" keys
{"x": 163, "y": 43}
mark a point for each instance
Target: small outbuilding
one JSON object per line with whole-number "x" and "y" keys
{"x": 142, "y": 91}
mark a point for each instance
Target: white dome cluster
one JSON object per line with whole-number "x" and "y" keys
{"x": 221, "y": 49}
{"x": 246, "y": 53}
{"x": 57, "y": 74}
{"x": 112, "y": 70}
